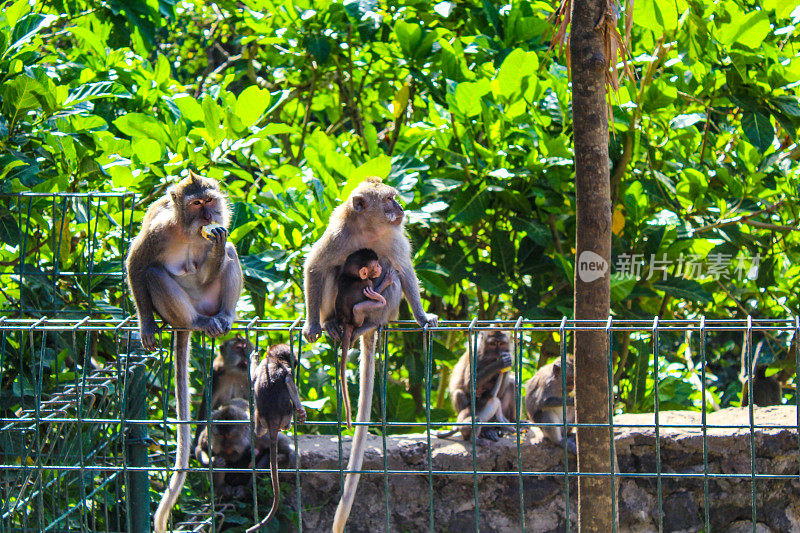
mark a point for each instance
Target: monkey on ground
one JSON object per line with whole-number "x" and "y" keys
{"x": 355, "y": 297}
{"x": 495, "y": 389}
{"x": 276, "y": 400}
{"x": 369, "y": 218}
{"x": 229, "y": 376}
{"x": 545, "y": 400}
{"x": 227, "y": 445}
{"x": 182, "y": 267}
{"x": 766, "y": 389}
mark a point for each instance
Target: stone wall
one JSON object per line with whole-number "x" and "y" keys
{"x": 777, "y": 451}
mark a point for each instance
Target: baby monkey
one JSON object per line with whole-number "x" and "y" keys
{"x": 276, "y": 399}
{"x": 355, "y": 298}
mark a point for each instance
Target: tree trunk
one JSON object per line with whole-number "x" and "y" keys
{"x": 592, "y": 266}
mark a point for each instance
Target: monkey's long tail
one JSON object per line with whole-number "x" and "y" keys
{"x": 347, "y": 339}
{"x": 181, "y": 348}
{"x": 276, "y": 488}
{"x": 367, "y": 372}
{"x": 447, "y": 434}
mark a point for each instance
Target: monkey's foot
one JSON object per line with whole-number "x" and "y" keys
{"x": 312, "y": 331}
{"x": 333, "y": 330}
{"x": 147, "y": 334}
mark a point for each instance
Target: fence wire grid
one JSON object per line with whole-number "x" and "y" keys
{"x": 81, "y": 452}
{"x": 88, "y": 418}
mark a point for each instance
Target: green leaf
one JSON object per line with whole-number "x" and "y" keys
{"x": 758, "y": 130}
{"x": 517, "y": 66}
{"x": 320, "y": 48}
{"x": 9, "y": 229}
{"x": 26, "y": 28}
{"x": 488, "y": 278}
{"x": 503, "y": 251}
{"x": 148, "y": 150}
{"x": 749, "y": 31}
{"x": 467, "y": 97}
{"x": 251, "y": 104}
{"x": 685, "y": 289}
{"x": 141, "y": 125}
{"x": 93, "y": 91}
{"x": 788, "y": 104}
{"x": 469, "y": 207}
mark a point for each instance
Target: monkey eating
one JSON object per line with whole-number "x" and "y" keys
{"x": 354, "y": 299}
{"x": 192, "y": 282}
{"x": 369, "y": 218}
{"x": 276, "y": 400}
{"x": 495, "y": 389}
{"x": 545, "y": 401}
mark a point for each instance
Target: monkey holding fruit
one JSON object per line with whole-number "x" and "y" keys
{"x": 192, "y": 281}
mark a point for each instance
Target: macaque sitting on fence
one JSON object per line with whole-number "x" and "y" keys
{"x": 545, "y": 401}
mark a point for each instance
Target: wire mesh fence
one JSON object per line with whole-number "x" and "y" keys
{"x": 88, "y": 427}
{"x": 91, "y": 441}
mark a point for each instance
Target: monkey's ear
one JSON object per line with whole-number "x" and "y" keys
{"x": 194, "y": 176}
{"x": 359, "y": 203}
{"x": 363, "y": 272}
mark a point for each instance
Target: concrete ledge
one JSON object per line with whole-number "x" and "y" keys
{"x": 728, "y": 448}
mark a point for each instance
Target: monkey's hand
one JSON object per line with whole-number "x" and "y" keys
{"x": 218, "y": 234}
{"x": 427, "y": 319}
{"x": 218, "y": 462}
{"x": 312, "y": 331}
{"x": 301, "y": 415}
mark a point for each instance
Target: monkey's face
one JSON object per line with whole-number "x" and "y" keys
{"x": 204, "y": 208}
{"x": 229, "y": 441}
{"x": 372, "y": 270}
{"x": 494, "y": 345}
{"x": 378, "y": 201}
{"x": 236, "y": 351}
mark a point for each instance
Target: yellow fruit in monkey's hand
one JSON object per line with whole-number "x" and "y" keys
{"x": 205, "y": 231}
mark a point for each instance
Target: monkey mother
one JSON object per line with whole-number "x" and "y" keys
{"x": 369, "y": 218}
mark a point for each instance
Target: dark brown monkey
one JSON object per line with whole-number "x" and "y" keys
{"x": 276, "y": 399}
{"x": 227, "y": 445}
{"x": 229, "y": 376}
{"x": 766, "y": 389}
{"x": 545, "y": 400}
{"x": 495, "y": 389}
{"x": 369, "y": 218}
{"x": 193, "y": 282}
{"x": 355, "y": 297}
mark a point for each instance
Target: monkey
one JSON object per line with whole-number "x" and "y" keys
{"x": 276, "y": 398}
{"x": 544, "y": 401}
{"x": 495, "y": 389}
{"x": 226, "y": 445}
{"x": 355, "y": 297}
{"x": 229, "y": 376}
{"x": 193, "y": 282}
{"x": 369, "y": 218}
{"x": 766, "y": 390}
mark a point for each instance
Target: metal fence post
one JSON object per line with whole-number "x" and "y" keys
{"x": 136, "y": 452}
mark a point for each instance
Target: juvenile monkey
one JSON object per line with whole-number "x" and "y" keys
{"x": 544, "y": 401}
{"x": 369, "y": 218}
{"x": 229, "y": 376}
{"x": 495, "y": 388}
{"x": 227, "y": 445}
{"x": 192, "y": 281}
{"x": 354, "y": 299}
{"x": 276, "y": 399}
